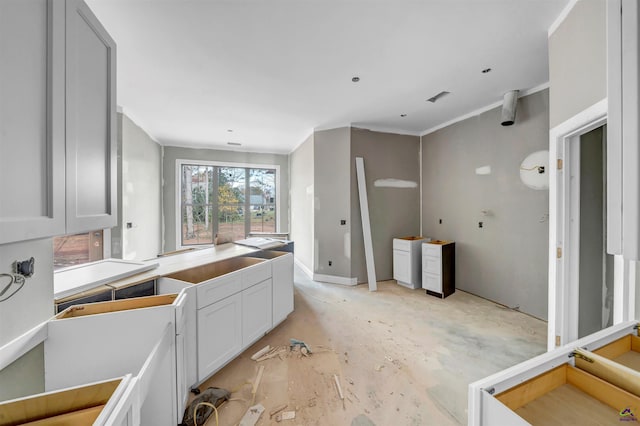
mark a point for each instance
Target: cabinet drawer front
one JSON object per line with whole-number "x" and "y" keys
{"x": 432, "y": 264}
{"x": 218, "y": 288}
{"x": 432, "y": 282}
{"x": 401, "y": 245}
{"x": 432, "y": 250}
{"x": 256, "y": 274}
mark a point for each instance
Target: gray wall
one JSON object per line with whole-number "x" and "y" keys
{"x": 590, "y": 275}
{"x": 393, "y": 212}
{"x": 139, "y": 194}
{"x": 506, "y": 260}
{"x": 302, "y": 193}
{"x": 172, "y": 153}
{"x": 332, "y": 182}
{"x": 30, "y": 306}
{"x": 578, "y": 61}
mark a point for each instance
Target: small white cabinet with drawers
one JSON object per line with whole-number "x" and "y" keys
{"x": 438, "y": 268}
{"x": 406, "y": 261}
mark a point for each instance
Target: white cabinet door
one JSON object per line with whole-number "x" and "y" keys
{"x": 282, "y": 273}
{"x": 219, "y": 334}
{"x": 32, "y": 133}
{"x": 401, "y": 266}
{"x": 90, "y": 122}
{"x": 256, "y": 312}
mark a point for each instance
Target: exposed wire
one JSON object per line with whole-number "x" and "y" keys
{"x": 13, "y": 279}
{"x": 208, "y": 404}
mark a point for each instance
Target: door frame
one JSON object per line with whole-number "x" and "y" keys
{"x": 563, "y": 294}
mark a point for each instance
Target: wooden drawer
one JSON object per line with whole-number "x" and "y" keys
{"x": 218, "y": 288}
{"x": 564, "y": 395}
{"x": 256, "y": 274}
{"x": 432, "y": 265}
{"x": 432, "y": 250}
{"x": 624, "y": 351}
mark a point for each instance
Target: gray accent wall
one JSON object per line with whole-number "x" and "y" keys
{"x": 302, "y": 193}
{"x": 578, "y": 61}
{"x": 173, "y": 153}
{"x": 507, "y": 259}
{"x": 394, "y": 212}
{"x": 139, "y": 194}
{"x": 332, "y": 241}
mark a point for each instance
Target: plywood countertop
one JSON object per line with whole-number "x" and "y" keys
{"x": 170, "y": 265}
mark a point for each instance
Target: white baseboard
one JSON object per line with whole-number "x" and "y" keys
{"x": 335, "y": 279}
{"x": 304, "y": 268}
{"x": 324, "y": 278}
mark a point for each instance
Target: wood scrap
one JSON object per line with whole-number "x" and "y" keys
{"x": 286, "y": 415}
{"x": 252, "y": 415}
{"x": 261, "y": 352}
{"x": 277, "y": 410}
{"x": 339, "y": 388}
{"x": 256, "y": 382}
{"x": 272, "y": 354}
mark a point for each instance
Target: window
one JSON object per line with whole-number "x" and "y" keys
{"x": 69, "y": 250}
{"x": 226, "y": 201}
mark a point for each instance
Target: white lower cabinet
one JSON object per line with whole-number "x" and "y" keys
{"x": 219, "y": 334}
{"x": 256, "y": 312}
{"x": 593, "y": 386}
{"x": 282, "y": 286}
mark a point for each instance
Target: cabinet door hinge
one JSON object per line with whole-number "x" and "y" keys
{"x": 559, "y": 252}
{"x": 559, "y": 163}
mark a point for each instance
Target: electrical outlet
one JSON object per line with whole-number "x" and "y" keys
{"x": 480, "y": 224}
{"x": 343, "y": 222}
{"x": 330, "y": 262}
{"x": 440, "y": 221}
{"x": 25, "y": 267}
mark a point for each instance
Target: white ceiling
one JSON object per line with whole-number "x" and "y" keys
{"x": 274, "y": 70}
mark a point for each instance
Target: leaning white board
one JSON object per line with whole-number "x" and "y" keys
{"x": 366, "y": 224}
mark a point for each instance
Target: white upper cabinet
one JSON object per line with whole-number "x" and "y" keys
{"x": 57, "y": 120}
{"x": 32, "y": 123}
{"x": 90, "y": 122}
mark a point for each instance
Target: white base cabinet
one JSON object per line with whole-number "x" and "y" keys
{"x": 219, "y": 334}
{"x": 526, "y": 385}
{"x": 406, "y": 261}
{"x": 256, "y": 312}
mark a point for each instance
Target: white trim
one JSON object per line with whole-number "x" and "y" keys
{"x": 178, "y": 187}
{"x": 303, "y": 268}
{"x": 213, "y": 145}
{"x": 560, "y": 19}
{"x": 334, "y": 279}
{"x": 106, "y": 243}
{"x": 420, "y": 183}
{"x": 383, "y": 129}
{"x": 559, "y": 138}
{"x": 484, "y": 109}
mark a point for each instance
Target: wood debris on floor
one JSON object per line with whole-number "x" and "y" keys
{"x": 390, "y": 357}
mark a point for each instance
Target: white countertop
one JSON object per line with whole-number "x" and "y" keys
{"x": 161, "y": 266}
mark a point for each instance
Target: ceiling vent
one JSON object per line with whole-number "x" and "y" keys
{"x": 433, "y": 99}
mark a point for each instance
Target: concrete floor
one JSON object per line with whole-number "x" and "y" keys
{"x": 402, "y": 357}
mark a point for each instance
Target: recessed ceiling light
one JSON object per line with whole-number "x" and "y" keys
{"x": 434, "y": 98}
{"x": 229, "y": 130}
{"x": 234, "y": 143}
{"x": 486, "y": 70}
{"x": 403, "y": 115}
{"x": 355, "y": 79}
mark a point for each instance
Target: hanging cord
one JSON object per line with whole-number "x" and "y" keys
{"x": 208, "y": 404}
{"x": 13, "y": 279}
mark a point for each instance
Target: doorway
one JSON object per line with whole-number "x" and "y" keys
{"x": 591, "y": 268}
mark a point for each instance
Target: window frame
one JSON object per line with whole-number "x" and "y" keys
{"x": 178, "y": 192}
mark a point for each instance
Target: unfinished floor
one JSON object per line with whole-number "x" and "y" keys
{"x": 402, "y": 357}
